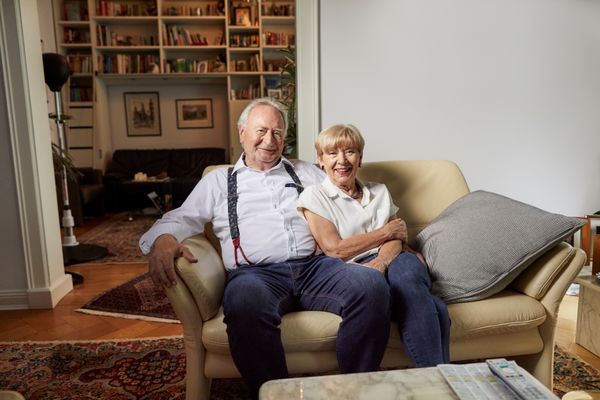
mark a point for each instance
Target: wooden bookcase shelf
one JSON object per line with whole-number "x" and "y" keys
{"x": 234, "y": 43}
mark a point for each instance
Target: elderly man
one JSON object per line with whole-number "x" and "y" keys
{"x": 272, "y": 260}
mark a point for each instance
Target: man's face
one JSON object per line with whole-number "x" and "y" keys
{"x": 262, "y": 137}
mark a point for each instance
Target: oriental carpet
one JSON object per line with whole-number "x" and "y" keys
{"x": 154, "y": 369}
{"x": 120, "y": 236}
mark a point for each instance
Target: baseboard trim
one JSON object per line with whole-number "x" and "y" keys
{"x": 13, "y": 300}
{"x": 49, "y": 297}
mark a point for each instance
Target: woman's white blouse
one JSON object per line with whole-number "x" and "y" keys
{"x": 349, "y": 216}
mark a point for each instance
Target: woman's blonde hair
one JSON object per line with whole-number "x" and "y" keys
{"x": 339, "y": 135}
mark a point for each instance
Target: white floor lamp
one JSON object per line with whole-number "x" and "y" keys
{"x": 56, "y": 73}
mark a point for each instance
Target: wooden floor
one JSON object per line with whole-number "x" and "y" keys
{"x": 64, "y": 323}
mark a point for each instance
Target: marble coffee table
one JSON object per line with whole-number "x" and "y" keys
{"x": 417, "y": 383}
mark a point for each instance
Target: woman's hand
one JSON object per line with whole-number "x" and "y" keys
{"x": 376, "y": 264}
{"x": 416, "y": 253}
{"x": 396, "y": 229}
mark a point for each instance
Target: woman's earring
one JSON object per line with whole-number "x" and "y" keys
{"x": 322, "y": 167}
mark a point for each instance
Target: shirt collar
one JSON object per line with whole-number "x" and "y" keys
{"x": 331, "y": 190}
{"x": 240, "y": 164}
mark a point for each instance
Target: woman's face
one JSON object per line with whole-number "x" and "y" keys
{"x": 341, "y": 165}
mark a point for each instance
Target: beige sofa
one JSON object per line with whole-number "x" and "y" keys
{"x": 518, "y": 323}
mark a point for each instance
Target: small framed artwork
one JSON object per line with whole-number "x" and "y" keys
{"x": 142, "y": 113}
{"x": 194, "y": 113}
{"x": 242, "y": 16}
{"x": 203, "y": 67}
{"x": 274, "y": 93}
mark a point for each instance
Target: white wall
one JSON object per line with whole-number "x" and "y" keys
{"x": 510, "y": 90}
{"x": 171, "y": 137}
{"x": 32, "y": 268}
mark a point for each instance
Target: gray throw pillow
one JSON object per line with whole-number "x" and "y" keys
{"x": 482, "y": 241}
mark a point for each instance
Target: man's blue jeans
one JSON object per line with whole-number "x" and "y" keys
{"x": 422, "y": 318}
{"x": 257, "y": 296}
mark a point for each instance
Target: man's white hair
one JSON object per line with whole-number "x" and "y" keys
{"x": 263, "y": 101}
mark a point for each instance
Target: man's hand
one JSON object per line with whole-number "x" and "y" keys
{"x": 395, "y": 229}
{"x": 162, "y": 259}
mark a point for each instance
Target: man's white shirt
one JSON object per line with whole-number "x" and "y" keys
{"x": 271, "y": 229}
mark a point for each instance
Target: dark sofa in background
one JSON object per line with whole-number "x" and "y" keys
{"x": 184, "y": 167}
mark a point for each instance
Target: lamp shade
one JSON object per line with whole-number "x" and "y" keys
{"x": 56, "y": 70}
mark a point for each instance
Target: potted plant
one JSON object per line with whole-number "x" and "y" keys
{"x": 288, "y": 89}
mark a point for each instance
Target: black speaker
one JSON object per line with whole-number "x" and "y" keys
{"x": 56, "y": 70}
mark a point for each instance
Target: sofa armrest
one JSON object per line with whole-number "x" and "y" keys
{"x": 205, "y": 279}
{"x": 542, "y": 273}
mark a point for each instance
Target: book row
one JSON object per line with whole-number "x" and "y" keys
{"x": 105, "y": 36}
{"x": 125, "y": 9}
{"x": 76, "y": 35}
{"x": 80, "y": 63}
{"x": 175, "y": 35}
{"x": 129, "y": 63}
{"x": 278, "y": 39}
{"x": 212, "y": 10}
{"x": 194, "y": 66}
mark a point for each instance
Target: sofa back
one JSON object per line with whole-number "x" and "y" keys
{"x": 175, "y": 162}
{"x": 421, "y": 189}
{"x": 192, "y": 162}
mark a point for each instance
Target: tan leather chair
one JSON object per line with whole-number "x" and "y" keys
{"x": 518, "y": 323}
{"x": 10, "y": 395}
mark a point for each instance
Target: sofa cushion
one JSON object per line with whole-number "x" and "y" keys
{"x": 481, "y": 242}
{"x": 300, "y": 331}
{"x": 506, "y": 312}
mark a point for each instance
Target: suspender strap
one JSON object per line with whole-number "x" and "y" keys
{"x": 294, "y": 176}
{"x": 290, "y": 170}
{"x": 232, "y": 200}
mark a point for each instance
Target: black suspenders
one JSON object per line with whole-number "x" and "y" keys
{"x": 232, "y": 201}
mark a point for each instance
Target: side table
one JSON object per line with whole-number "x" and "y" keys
{"x": 588, "y": 313}
{"x": 590, "y": 242}
{"x": 135, "y": 193}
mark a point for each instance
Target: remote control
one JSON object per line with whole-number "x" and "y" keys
{"x": 523, "y": 386}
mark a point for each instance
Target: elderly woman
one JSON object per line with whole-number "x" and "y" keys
{"x": 349, "y": 218}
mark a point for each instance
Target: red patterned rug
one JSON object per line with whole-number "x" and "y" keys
{"x": 154, "y": 369}
{"x": 137, "y": 298}
{"x": 120, "y": 236}
{"x": 149, "y": 369}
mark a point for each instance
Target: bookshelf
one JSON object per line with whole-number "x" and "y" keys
{"x": 74, "y": 41}
{"x": 232, "y": 43}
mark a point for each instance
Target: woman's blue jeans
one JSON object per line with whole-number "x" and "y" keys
{"x": 257, "y": 296}
{"x": 422, "y": 317}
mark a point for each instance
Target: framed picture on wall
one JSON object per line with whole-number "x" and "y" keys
{"x": 274, "y": 93}
{"x": 142, "y": 113}
{"x": 242, "y": 16}
{"x": 194, "y": 113}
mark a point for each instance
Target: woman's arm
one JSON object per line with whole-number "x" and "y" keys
{"x": 329, "y": 240}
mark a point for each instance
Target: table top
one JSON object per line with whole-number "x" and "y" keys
{"x": 149, "y": 180}
{"x": 415, "y": 383}
{"x": 588, "y": 281}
